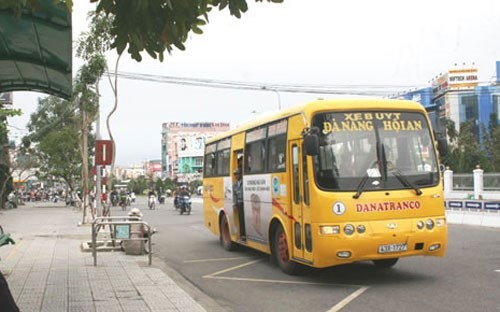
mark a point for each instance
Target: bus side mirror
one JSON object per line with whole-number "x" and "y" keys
{"x": 311, "y": 144}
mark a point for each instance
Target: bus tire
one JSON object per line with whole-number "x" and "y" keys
{"x": 281, "y": 253}
{"x": 385, "y": 263}
{"x": 225, "y": 237}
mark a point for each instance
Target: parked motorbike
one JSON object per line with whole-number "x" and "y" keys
{"x": 11, "y": 201}
{"x": 185, "y": 205}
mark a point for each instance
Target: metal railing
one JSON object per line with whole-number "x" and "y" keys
{"x": 114, "y": 223}
{"x": 463, "y": 182}
{"x": 491, "y": 182}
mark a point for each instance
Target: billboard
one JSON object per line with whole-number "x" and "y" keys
{"x": 462, "y": 78}
{"x": 190, "y": 145}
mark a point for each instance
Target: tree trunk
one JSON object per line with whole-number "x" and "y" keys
{"x": 5, "y": 174}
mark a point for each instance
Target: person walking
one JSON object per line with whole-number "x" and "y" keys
{"x": 238, "y": 201}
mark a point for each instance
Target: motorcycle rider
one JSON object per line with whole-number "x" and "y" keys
{"x": 114, "y": 197}
{"x": 184, "y": 191}
{"x": 183, "y": 194}
{"x": 177, "y": 195}
{"x": 151, "y": 193}
{"x": 132, "y": 197}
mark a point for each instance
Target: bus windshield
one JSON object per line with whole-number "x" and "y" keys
{"x": 378, "y": 150}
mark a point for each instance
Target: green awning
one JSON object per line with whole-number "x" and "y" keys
{"x": 36, "y": 50}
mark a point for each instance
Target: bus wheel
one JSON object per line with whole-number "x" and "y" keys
{"x": 385, "y": 263}
{"x": 282, "y": 254}
{"x": 225, "y": 237}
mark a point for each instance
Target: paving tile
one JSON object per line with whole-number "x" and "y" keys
{"x": 48, "y": 271}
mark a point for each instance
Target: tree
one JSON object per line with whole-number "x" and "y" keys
{"x": 5, "y": 163}
{"x": 156, "y": 26}
{"x": 54, "y": 138}
{"x": 465, "y": 150}
{"x": 138, "y": 185}
{"x": 150, "y": 25}
{"x": 491, "y": 140}
{"x": 91, "y": 47}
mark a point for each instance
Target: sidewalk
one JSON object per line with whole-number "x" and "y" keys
{"x": 48, "y": 271}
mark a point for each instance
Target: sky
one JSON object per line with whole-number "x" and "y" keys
{"x": 313, "y": 42}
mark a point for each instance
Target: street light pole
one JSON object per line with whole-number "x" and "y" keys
{"x": 279, "y": 98}
{"x": 277, "y": 93}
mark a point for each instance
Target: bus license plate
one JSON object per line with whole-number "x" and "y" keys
{"x": 392, "y": 248}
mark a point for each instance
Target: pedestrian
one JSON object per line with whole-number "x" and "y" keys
{"x": 238, "y": 201}
{"x": 7, "y": 303}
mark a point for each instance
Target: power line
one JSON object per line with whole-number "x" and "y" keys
{"x": 341, "y": 89}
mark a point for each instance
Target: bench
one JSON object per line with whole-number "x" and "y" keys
{"x": 5, "y": 239}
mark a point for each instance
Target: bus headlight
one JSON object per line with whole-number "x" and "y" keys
{"x": 329, "y": 229}
{"x": 429, "y": 224}
{"x": 361, "y": 229}
{"x": 420, "y": 225}
{"x": 349, "y": 229}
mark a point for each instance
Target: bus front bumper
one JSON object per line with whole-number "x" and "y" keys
{"x": 379, "y": 240}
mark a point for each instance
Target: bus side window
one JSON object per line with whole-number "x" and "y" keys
{"x": 296, "y": 182}
{"x": 255, "y": 157}
{"x": 281, "y": 161}
{"x": 248, "y": 163}
{"x": 210, "y": 165}
{"x": 276, "y": 153}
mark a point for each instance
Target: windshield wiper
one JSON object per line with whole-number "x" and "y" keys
{"x": 404, "y": 180}
{"x": 361, "y": 186}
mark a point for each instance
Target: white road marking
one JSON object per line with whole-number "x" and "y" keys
{"x": 231, "y": 269}
{"x": 498, "y": 271}
{"x": 215, "y": 275}
{"x": 348, "y": 299}
{"x": 214, "y": 260}
{"x": 258, "y": 280}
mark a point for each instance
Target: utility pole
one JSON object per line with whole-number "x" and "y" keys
{"x": 98, "y": 175}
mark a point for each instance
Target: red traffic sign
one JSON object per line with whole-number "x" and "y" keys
{"x": 103, "y": 152}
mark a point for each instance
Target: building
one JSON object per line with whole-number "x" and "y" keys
{"x": 458, "y": 95}
{"x": 182, "y": 147}
{"x": 152, "y": 169}
{"x": 132, "y": 172}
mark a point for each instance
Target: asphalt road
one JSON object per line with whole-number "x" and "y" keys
{"x": 467, "y": 279}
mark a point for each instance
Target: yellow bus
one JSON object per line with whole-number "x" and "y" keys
{"x": 330, "y": 182}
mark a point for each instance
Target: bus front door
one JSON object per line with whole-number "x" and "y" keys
{"x": 301, "y": 236}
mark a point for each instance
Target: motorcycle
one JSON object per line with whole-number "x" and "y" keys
{"x": 124, "y": 201}
{"x": 161, "y": 200}
{"x": 151, "y": 201}
{"x": 11, "y": 201}
{"x": 177, "y": 202}
{"x": 114, "y": 199}
{"x": 185, "y": 205}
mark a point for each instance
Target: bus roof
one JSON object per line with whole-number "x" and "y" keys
{"x": 323, "y": 105}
